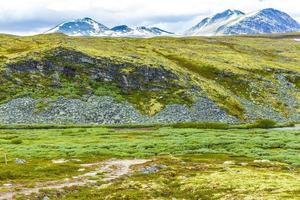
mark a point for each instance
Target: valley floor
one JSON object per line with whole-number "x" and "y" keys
{"x": 149, "y": 163}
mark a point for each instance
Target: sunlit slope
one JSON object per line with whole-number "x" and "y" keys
{"x": 229, "y": 70}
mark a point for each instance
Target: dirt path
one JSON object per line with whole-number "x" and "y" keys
{"x": 111, "y": 170}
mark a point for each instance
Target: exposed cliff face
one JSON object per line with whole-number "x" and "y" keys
{"x": 70, "y": 64}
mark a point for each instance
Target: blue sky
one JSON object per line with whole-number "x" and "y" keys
{"x": 26, "y": 17}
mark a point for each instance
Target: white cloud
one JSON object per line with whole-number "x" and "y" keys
{"x": 31, "y": 16}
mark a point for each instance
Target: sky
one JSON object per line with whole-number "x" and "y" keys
{"x": 27, "y": 17}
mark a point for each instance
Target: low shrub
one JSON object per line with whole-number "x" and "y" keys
{"x": 201, "y": 125}
{"x": 16, "y": 141}
{"x": 129, "y": 126}
{"x": 263, "y": 123}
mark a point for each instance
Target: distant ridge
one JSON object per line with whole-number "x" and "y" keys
{"x": 89, "y": 27}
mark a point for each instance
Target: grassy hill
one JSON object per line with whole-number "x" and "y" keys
{"x": 240, "y": 74}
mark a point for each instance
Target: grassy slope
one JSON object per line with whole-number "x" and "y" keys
{"x": 194, "y": 158}
{"x": 241, "y": 60}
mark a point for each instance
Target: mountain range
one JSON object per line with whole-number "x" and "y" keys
{"x": 235, "y": 22}
{"x": 89, "y": 27}
{"x": 229, "y": 22}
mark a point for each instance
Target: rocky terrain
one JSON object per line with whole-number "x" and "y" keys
{"x": 105, "y": 110}
{"x": 63, "y": 80}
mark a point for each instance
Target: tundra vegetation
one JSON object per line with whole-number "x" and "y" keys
{"x": 222, "y": 163}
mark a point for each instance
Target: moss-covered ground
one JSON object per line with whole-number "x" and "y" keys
{"x": 201, "y": 163}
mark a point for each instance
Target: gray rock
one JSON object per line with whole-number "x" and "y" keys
{"x": 152, "y": 169}
{"x": 105, "y": 110}
{"x": 46, "y": 198}
{"x": 20, "y": 161}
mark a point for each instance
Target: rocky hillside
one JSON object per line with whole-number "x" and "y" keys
{"x": 59, "y": 79}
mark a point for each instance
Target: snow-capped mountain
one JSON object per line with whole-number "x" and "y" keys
{"x": 81, "y": 27}
{"x": 209, "y": 26}
{"x": 89, "y": 27}
{"x": 234, "y": 22}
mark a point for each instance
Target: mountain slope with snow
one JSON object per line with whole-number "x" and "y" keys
{"x": 90, "y": 27}
{"x": 209, "y": 26}
{"x": 233, "y": 22}
{"x": 81, "y": 27}
{"x": 142, "y": 31}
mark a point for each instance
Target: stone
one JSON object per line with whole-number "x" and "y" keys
{"x": 229, "y": 162}
{"x": 59, "y": 161}
{"x": 20, "y": 161}
{"x": 243, "y": 164}
{"x": 262, "y": 161}
{"x": 152, "y": 169}
{"x": 46, "y": 198}
{"x": 105, "y": 110}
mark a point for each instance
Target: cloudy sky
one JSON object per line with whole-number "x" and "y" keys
{"x": 27, "y": 17}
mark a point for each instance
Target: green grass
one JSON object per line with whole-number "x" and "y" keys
{"x": 143, "y": 142}
{"x": 194, "y": 159}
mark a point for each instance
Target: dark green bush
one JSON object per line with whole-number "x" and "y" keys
{"x": 201, "y": 125}
{"x": 263, "y": 123}
{"x": 16, "y": 141}
{"x": 155, "y": 126}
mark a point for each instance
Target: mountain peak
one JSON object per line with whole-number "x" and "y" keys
{"x": 227, "y": 13}
{"x": 122, "y": 28}
{"x": 207, "y": 25}
{"x": 87, "y": 19}
{"x": 270, "y": 10}
{"x": 84, "y": 20}
{"x": 230, "y": 12}
{"x": 80, "y": 27}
